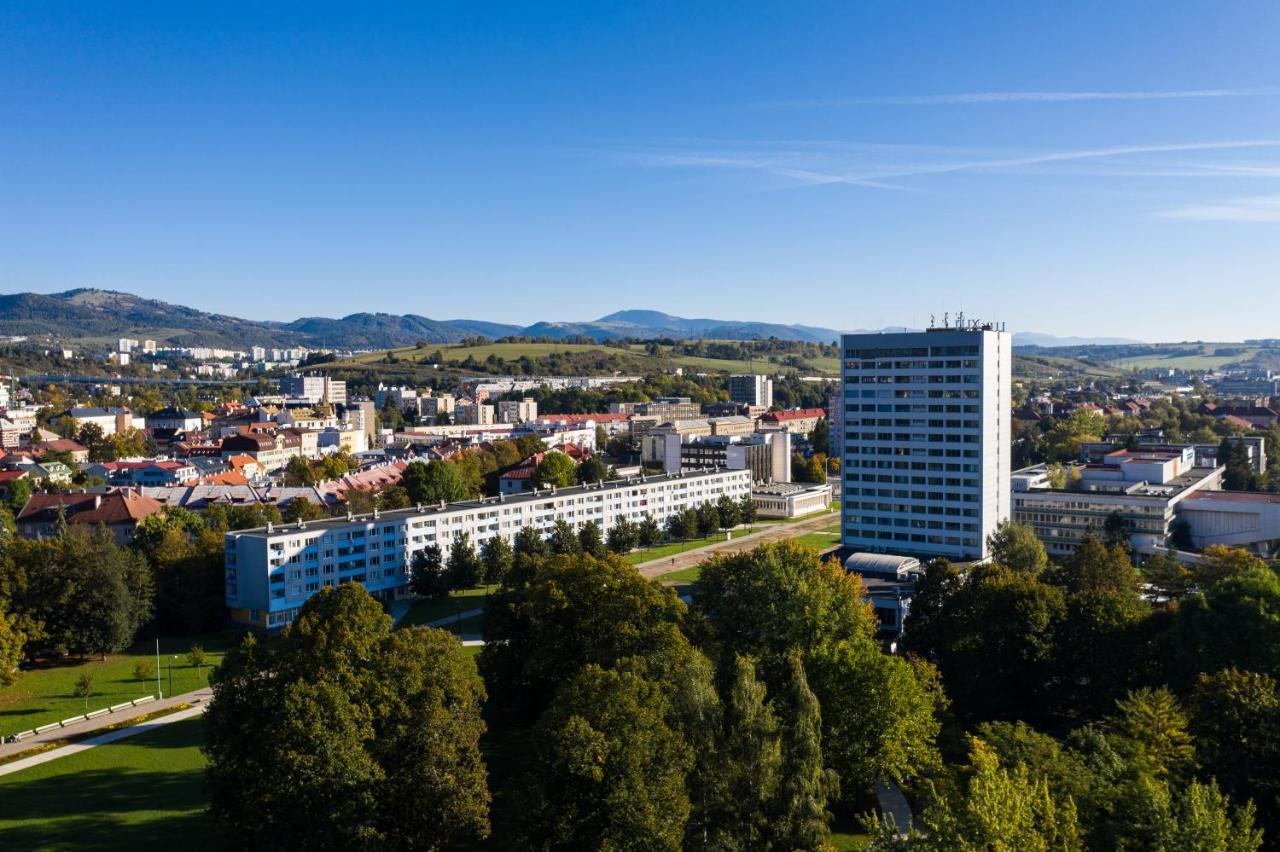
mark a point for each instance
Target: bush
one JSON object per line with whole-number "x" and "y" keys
{"x": 144, "y": 670}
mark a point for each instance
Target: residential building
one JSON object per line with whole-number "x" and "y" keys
{"x": 766, "y": 455}
{"x": 166, "y": 472}
{"x": 272, "y": 571}
{"x": 751, "y": 390}
{"x": 926, "y": 444}
{"x": 175, "y": 419}
{"x": 119, "y": 511}
{"x": 109, "y": 420}
{"x": 473, "y": 414}
{"x": 314, "y": 389}
{"x": 517, "y": 411}
{"x": 272, "y": 452}
{"x": 431, "y": 407}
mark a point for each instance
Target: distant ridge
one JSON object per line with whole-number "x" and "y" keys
{"x": 86, "y": 314}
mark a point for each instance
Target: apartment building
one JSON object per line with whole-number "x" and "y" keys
{"x": 926, "y": 441}
{"x": 517, "y": 411}
{"x": 315, "y": 389}
{"x": 271, "y": 571}
{"x": 751, "y": 390}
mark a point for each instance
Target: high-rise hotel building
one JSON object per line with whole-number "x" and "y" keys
{"x": 926, "y": 441}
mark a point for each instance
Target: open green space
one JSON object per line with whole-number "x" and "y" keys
{"x": 1194, "y": 358}
{"x": 45, "y": 694}
{"x": 140, "y": 793}
{"x": 433, "y": 609}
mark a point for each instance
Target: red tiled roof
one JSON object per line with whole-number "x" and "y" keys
{"x": 794, "y": 414}
{"x": 116, "y": 507}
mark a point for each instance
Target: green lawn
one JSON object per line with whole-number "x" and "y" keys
{"x": 140, "y": 793}
{"x": 425, "y": 611}
{"x": 44, "y": 694}
{"x": 685, "y": 575}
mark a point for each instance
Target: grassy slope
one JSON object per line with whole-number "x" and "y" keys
{"x": 44, "y": 695}
{"x": 140, "y": 793}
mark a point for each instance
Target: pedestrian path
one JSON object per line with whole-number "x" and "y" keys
{"x": 893, "y": 805}
{"x": 101, "y": 739}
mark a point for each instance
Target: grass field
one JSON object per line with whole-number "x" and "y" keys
{"x": 44, "y": 695}
{"x": 1196, "y": 358}
{"x": 425, "y": 611}
{"x": 139, "y": 793}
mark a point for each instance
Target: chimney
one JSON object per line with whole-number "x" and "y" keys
{"x": 97, "y": 501}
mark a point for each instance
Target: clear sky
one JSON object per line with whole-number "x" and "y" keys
{"x": 1103, "y": 168}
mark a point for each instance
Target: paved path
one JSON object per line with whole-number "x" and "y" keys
{"x": 102, "y": 739}
{"x": 773, "y": 532}
{"x": 199, "y": 696}
{"x": 894, "y": 805}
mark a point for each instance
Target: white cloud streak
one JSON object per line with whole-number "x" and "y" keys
{"x": 1262, "y": 208}
{"x": 964, "y": 98}
{"x": 807, "y": 168}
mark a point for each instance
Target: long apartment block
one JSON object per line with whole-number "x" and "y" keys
{"x": 272, "y": 570}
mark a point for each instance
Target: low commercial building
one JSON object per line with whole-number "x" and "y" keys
{"x": 1249, "y": 520}
{"x": 1142, "y": 489}
{"x": 790, "y": 500}
{"x": 888, "y": 583}
{"x": 272, "y": 571}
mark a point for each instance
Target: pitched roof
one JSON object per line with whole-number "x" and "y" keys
{"x": 114, "y": 507}
{"x": 793, "y": 414}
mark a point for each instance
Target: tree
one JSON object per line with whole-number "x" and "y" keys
{"x": 1234, "y": 622}
{"x": 1015, "y": 546}
{"x": 997, "y": 642}
{"x": 1153, "y": 732}
{"x": 12, "y": 641}
{"x": 563, "y": 538}
{"x": 591, "y": 541}
{"x": 879, "y": 714}
{"x": 1235, "y": 723}
{"x": 196, "y": 657}
{"x": 728, "y": 511}
{"x": 747, "y": 510}
{"x": 800, "y": 816}
{"x": 995, "y": 809}
{"x": 498, "y": 557}
{"x": 1166, "y": 576}
{"x": 434, "y": 482}
{"x": 750, "y": 759}
{"x": 622, "y": 536}
{"x": 777, "y": 597}
{"x": 84, "y": 685}
{"x": 555, "y": 469}
{"x": 464, "y": 567}
{"x": 376, "y": 732}
{"x": 556, "y": 615}
{"x": 427, "y": 575}
{"x": 606, "y": 769}
{"x": 923, "y": 630}
{"x": 1235, "y": 461}
{"x": 592, "y": 470}
{"x": 298, "y": 472}
{"x": 683, "y": 524}
{"x": 707, "y": 519}
{"x": 529, "y": 544}
{"x": 648, "y": 532}
{"x": 820, "y": 437}
{"x": 1219, "y": 562}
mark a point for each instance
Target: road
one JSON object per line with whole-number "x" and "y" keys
{"x": 199, "y": 697}
{"x": 773, "y": 532}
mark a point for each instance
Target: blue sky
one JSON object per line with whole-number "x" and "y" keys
{"x": 1084, "y": 168}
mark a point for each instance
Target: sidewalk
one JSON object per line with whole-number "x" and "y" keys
{"x": 198, "y": 697}
{"x": 774, "y": 532}
{"x": 108, "y": 737}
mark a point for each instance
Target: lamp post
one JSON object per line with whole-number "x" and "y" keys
{"x": 171, "y": 659}
{"x": 159, "y": 691}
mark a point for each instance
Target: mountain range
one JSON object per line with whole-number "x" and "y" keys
{"x": 90, "y": 315}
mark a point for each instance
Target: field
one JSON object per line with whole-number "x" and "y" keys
{"x": 140, "y": 793}
{"x": 1197, "y": 357}
{"x": 455, "y": 354}
{"x": 461, "y": 601}
{"x": 44, "y": 695}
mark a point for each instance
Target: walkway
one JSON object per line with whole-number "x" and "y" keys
{"x": 771, "y": 533}
{"x": 103, "y": 739}
{"x": 893, "y": 805}
{"x": 199, "y": 696}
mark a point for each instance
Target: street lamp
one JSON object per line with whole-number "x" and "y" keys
{"x": 171, "y": 659}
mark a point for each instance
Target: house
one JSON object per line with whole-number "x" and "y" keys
{"x": 175, "y": 419}
{"x": 79, "y": 452}
{"x": 52, "y": 472}
{"x": 119, "y": 511}
{"x": 272, "y": 452}
{"x": 144, "y": 472}
{"x": 7, "y": 479}
{"x": 109, "y": 420}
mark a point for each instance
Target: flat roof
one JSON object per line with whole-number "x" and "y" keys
{"x": 501, "y": 500}
{"x": 1236, "y": 497}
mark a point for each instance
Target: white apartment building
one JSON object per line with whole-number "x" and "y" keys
{"x": 751, "y": 390}
{"x": 926, "y": 441}
{"x": 315, "y": 389}
{"x": 272, "y": 570}
{"x": 477, "y": 414}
